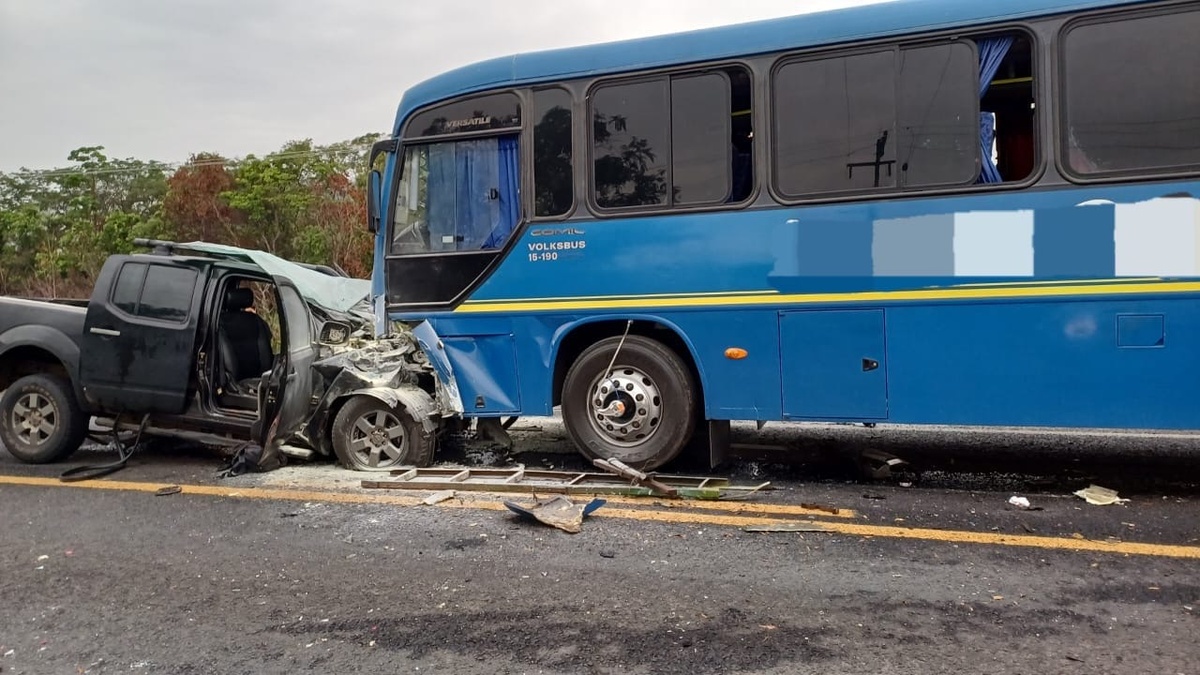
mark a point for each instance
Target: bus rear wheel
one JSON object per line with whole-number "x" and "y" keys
{"x": 641, "y": 412}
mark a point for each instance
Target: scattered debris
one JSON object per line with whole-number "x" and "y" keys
{"x": 1099, "y": 496}
{"x": 168, "y": 490}
{"x": 493, "y": 430}
{"x": 1023, "y": 504}
{"x": 832, "y": 510}
{"x": 877, "y": 464}
{"x": 533, "y": 481}
{"x": 620, "y": 468}
{"x": 438, "y": 497}
{"x": 794, "y": 526}
{"x": 558, "y": 511}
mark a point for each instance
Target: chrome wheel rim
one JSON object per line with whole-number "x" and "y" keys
{"x": 35, "y": 419}
{"x": 378, "y": 440}
{"x": 625, "y": 408}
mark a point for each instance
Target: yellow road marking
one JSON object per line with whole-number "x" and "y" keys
{"x": 385, "y": 497}
{"x": 675, "y": 516}
{"x": 733, "y": 507}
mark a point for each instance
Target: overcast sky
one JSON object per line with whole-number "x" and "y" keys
{"x": 163, "y": 79}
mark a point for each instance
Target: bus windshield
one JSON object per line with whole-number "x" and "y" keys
{"x": 457, "y": 196}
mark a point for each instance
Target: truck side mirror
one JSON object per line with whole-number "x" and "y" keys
{"x": 374, "y": 182}
{"x": 334, "y": 333}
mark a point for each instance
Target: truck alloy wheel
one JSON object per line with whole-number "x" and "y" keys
{"x": 370, "y": 435}
{"x": 40, "y": 422}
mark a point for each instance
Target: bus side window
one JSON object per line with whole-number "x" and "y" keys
{"x": 1007, "y": 107}
{"x": 742, "y": 134}
{"x": 553, "y": 176}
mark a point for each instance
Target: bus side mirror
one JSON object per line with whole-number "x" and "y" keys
{"x": 374, "y": 182}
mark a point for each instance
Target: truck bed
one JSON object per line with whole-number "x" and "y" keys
{"x": 65, "y": 318}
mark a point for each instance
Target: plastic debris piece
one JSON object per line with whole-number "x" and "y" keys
{"x": 168, "y": 490}
{"x": 1099, "y": 496}
{"x": 557, "y": 511}
{"x": 1020, "y": 502}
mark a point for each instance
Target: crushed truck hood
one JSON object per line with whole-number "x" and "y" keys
{"x": 337, "y": 293}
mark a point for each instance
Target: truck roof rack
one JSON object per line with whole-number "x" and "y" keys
{"x": 156, "y": 246}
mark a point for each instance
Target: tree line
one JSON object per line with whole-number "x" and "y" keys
{"x": 303, "y": 202}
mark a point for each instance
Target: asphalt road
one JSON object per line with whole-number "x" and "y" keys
{"x": 928, "y": 570}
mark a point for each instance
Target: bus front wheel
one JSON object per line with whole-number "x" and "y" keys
{"x": 642, "y": 411}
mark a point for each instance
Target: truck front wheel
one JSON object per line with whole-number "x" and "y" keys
{"x": 370, "y": 435}
{"x": 40, "y": 420}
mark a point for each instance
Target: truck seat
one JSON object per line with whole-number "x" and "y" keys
{"x": 244, "y": 341}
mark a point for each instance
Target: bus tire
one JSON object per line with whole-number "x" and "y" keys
{"x": 644, "y": 415}
{"x": 370, "y": 435}
{"x": 40, "y": 420}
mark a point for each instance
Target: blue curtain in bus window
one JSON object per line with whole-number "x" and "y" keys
{"x": 473, "y": 194}
{"x": 441, "y": 208}
{"x": 478, "y": 205}
{"x": 508, "y": 193}
{"x": 991, "y": 53}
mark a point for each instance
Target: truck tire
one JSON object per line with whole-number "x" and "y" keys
{"x": 40, "y": 420}
{"x": 646, "y": 418}
{"x": 369, "y": 435}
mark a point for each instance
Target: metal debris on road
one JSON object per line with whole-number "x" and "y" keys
{"x": 622, "y": 469}
{"x": 1099, "y": 496}
{"x": 832, "y": 510}
{"x": 558, "y": 511}
{"x": 534, "y": 481}
{"x": 878, "y": 464}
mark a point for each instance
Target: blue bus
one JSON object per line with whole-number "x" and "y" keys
{"x": 916, "y": 212}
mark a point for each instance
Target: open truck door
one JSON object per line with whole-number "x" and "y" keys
{"x": 284, "y": 399}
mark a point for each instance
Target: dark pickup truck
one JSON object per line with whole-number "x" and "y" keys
{"x": 171, "y": 343}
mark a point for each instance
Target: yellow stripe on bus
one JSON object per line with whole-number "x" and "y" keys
{"x": 747, "y": 300}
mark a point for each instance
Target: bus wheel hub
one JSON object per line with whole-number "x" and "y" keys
{"x": 627, "y": 407}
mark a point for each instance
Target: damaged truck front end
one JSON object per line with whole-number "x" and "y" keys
{"x": 379, "y": 403}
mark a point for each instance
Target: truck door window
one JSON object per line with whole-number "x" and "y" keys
{"x": 295, "y": 316}
{"x": 128, "y": 287}
{"x": 157, "y": 292}
{"x": 167, "y": 294}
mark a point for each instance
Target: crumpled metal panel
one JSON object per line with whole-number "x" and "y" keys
{"x": 338, "y": 293}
